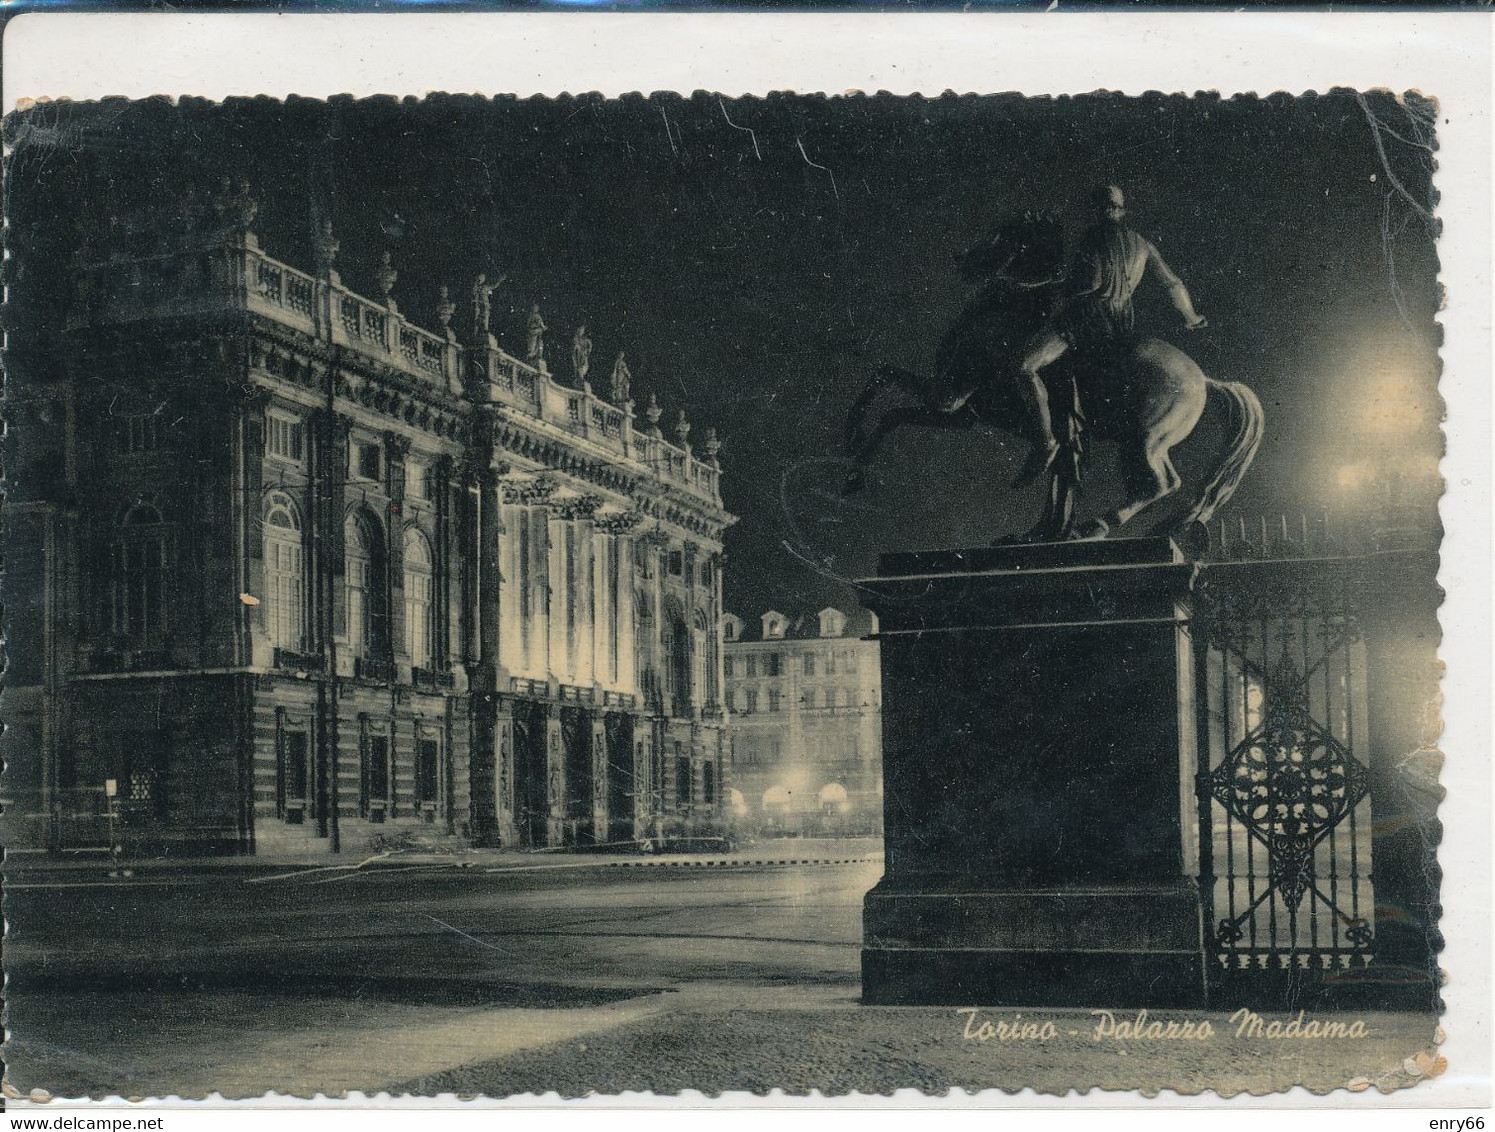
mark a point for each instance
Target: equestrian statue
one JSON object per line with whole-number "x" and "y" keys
{"x": 1033, "y": 337}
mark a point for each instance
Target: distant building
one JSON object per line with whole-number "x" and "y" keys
{"x": 805, "y": 723}
{"x": 287, "y": 571}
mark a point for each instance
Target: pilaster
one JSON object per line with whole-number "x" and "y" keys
{"x": 555, "y": 781}
{"x": 504, "y": 779}
{"x": 600, "y": 772}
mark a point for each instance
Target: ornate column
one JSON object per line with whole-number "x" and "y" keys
{"x": 469, "y": 539}
{"x": 254, "y": 644}
{"x": 487, "y": 586}
{"x": 695, "y": 667}
{"x": 531, "y": 612}
{"x": 326, "y": 247}
{"x": 577, "y": 573}
{"x": 651, "y": 679}
{"x": 329, "y": 462}
{"x": 718, "y": 674}
{"x": 617, "y": 528}
{"x": 444, "y": 611}
{"x": 396, "y": 448}
{"x": 492, "y": 727}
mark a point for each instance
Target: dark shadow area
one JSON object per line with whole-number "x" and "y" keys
{"x": 409, "y": 990}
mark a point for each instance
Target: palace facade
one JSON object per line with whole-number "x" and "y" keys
{"x": 288, "y": 572}
{"x": 804, "y": 697}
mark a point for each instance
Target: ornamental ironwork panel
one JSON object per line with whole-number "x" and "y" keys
{"x": 1284, "y": 789}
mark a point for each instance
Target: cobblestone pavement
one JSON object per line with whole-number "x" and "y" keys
{"x": 573, "y": 980}
{"x": 880, "y": 1049}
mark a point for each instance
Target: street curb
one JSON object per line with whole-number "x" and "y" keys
{"x": 753, "y": 863}
{"x": 16, "y": 878}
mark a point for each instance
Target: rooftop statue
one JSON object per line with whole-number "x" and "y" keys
{"x": 581, "y": 355}
{"x": 535, "y": 328}
{"x": 482, "y": 301}
{"x": 1032, "y": 337}
{"x": 619, "y": 381}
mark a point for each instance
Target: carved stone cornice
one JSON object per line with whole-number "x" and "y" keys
{"x": 529, "y": 492}
{"x": 576, "y": 507}
{"x": 251, "y": 398}
{"x": 655, "y": 537}
{"x": 618, "y": 522}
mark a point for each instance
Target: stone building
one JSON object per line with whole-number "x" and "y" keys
{"x": 803, "y": 697}
{"x": 287, "y": 571}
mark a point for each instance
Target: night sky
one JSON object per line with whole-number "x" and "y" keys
{"x": 757, "y": 258}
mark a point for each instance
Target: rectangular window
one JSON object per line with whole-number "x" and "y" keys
{"x": 425, "y": 771}
{"x": 366, "y": 461}
{"x": 283, "y": 566}
{"x": 851, "y": 660}
{"x": 677, "y": 563}
{"x": 752, "y": 700}
{"x": 419, "y": 599}
{"x": 830, "y": 697}
{"x": 705, "y": 573}
{"x": 708, "y": 783}
{"x": 809, "y": 664}
{"x": 375, "y": 774}
{"x": 774, "y": 663}
{"x": 284, "y": 438}
{"x": 137, "y": 433}
{"x": 141, "y": 769}
{"x": 773, "y": 699}
{"x": 294, "y": 746}
{"x": 752, "y": 665}
{"x": 138, "y": 566}
{"x": 420, "y": 481}
{"x": 357, "y": 571}
{"x": 727, "y": 665}
{"x": 682, "y": 779}
{"x": 830, "y": 664}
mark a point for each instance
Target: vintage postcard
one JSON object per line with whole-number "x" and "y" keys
{"x": 701, "y": 591}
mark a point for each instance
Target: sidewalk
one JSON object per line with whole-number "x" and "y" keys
{"x": 26, "y": 866}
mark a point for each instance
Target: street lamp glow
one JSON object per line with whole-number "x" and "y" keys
{"x": 1395, "y": 404}
{"x": 1353, "y": 476}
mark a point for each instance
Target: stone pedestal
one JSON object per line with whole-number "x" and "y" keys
{"x": 1038, "y": 765}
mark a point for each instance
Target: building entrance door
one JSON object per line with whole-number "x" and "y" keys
{"x": 531, "y": 806}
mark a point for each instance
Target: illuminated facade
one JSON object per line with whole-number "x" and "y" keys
{"x": 310, "y": 576}
{"x": 804, "y": 698}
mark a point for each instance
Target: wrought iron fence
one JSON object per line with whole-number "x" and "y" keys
{"x": 1284, "y": 785}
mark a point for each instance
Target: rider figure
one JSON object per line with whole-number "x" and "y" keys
{"x": 1096, "y": 314}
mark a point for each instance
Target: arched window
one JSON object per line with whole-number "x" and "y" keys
{"x": 420, "y": 627}
{"x": 137, "y": 560}
{"x": 285, "y": 580}
{"x": 777, "y": 798}
{"x": 702, "y": 666}
{"x": 368, "y": 634}
{"x": 643, "y": 644}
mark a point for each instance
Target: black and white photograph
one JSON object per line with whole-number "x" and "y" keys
{"x": 689, "y": 591}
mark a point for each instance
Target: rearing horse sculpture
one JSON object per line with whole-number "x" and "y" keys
{"x": 1147, "y": 400}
